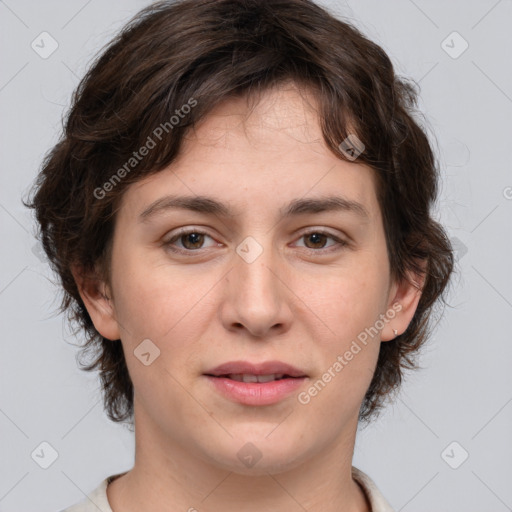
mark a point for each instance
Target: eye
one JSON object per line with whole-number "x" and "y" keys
{"x": 317, "y": 239}
{"x": 190, "y": 239}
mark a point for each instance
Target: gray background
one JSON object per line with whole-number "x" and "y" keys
{"x": 464, "y": 392}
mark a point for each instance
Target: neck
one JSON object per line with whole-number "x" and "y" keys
{"x": 167, "y": 476}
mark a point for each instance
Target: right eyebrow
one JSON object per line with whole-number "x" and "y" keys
{"x": 200, "y": 204}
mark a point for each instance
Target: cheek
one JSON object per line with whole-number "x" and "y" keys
{"x": 345, "y": 310}
{"x": 166, "y": 309}
{"x": 347, "y": 342}
{"x": 349, "y": 299}
{"x": 164, "y": 303}
{"x": 172, "y": 306}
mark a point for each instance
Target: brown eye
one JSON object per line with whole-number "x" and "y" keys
{"x": 316, "y": 241}
{"x": 187, "y": 241}
{"x": 192, "y": 240}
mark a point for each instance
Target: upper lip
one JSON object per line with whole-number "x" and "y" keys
{"x": 265, "y": 368}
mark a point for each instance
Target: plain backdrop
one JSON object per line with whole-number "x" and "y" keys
{"x": 445, "y": 444}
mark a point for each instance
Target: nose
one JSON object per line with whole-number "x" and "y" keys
{"x": 256, "y": 297}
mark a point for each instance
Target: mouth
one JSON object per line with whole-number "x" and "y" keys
{"x": 245, "y": 371}
{"x": 251, "y": 378}
{"x": 256, "y": 384}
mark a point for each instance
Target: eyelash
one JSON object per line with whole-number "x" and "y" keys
{"x": 168, "y": 244}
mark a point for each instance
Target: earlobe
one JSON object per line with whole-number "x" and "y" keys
{"x": 98, "y": 301}
{"x": 403, "y": 300}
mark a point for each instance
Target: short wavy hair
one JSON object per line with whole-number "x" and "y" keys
{"x": 207, "y": 51}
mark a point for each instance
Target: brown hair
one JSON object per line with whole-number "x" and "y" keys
{"x": 198, "y": 53}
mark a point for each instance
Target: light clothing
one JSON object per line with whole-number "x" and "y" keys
{"x": 97, "y": 500}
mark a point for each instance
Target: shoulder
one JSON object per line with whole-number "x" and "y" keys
{"x": 375, "y": 497}
{"x": 95, "y": 501}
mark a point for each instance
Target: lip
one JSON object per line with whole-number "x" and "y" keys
{"x": 256, "y": 393}
{"x": 250, "y": 393}
{"x": 264, "y": 368}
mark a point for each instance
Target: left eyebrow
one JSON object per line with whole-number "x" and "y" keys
{"x": 209, "y": 205}
{"x": 325, "y": 204}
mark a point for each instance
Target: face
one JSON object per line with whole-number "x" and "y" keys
{"x": 254, "y": 283}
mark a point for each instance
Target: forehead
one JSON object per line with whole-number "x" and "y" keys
{"x": 257, "y": 156}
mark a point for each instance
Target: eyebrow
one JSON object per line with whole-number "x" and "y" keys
{"x": 209, "y": 205}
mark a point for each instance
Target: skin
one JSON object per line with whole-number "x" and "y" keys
{"x": 302, "y": 301}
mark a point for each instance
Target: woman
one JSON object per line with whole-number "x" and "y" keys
{"x": 240, "y": 213}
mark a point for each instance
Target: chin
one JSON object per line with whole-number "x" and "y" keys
{"x": 257, "y": 455}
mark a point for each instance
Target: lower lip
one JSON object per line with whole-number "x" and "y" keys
{"x": 255, "y": 393}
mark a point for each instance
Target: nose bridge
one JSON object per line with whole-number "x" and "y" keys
{"x": 255, "y": 295}
{"x": 255, "y": 259}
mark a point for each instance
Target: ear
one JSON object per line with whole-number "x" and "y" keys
{"x": 97, "y": 299}
{"x": 403, "y": 299}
